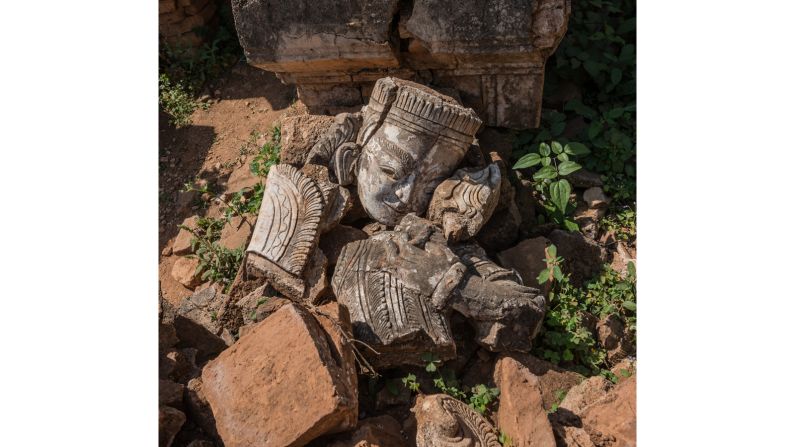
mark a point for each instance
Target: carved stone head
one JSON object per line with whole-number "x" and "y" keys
{"x": 412, "y": 138}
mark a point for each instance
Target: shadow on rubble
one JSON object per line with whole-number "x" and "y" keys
{"x": 182, "y": 152}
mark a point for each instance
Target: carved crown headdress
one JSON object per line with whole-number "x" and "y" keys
{"x": 423, "y": 109}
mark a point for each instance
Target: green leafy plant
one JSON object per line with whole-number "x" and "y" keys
{"x": 447, "y": 383}
{"x": 552, "y": 271}
{"x": 410, "y": 382}
{"x": 185, "y": 69}
{"x": 589, "y": 96}
{"x": 480, "y": 397}
{"x": 199, "y": 65}
{"x": 621, "y": 223}
{"x": 566, "y": 337}
{"x": 175, "y": 99}
{"x": 559, "y": 396}
{"x": 268, "y": 155}
{"x": 432, "y": 362}
{"x": 216, "y": 262}
{"x": 556, "y": 161}
{"x": 595, "y": 64}
{"x": 208, "y": 228}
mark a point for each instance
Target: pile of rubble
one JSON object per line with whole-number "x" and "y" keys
{"x": 373, "y": 252}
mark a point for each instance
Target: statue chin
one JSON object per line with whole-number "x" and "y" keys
{"x": 382, "y": 212}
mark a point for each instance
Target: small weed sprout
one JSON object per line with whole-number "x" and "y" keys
{"x": 559, "y": 396}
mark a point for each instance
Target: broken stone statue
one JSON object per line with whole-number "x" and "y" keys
{"x": 402, "y": 157}
{"x": 443, "y": 421}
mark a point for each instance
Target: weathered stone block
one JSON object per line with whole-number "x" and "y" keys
{"x": 252, "y": 387}
{"x": 304, "y": 35}
{"x": 521, "y": 413}
{"x": 494, "y": 51}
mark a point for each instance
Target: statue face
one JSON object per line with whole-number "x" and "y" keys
{"x": 399, "y": 170}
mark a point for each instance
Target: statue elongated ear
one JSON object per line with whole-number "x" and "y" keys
{"x": 344, "y": 163}
{"x": 344, "y": 129}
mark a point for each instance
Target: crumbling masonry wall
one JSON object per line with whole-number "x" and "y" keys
{"x": 179, "y": 20}
{"x": 492, "y": 52}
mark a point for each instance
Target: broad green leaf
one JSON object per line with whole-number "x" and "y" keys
{"x": 567, "y": 167}
{"x": 576, "y": 149}
{"x": 629, "y": 305}
{"x": 557, "y": 147}
{"x": 571, "y": 225}
{"x": 559, "y": 193}
{"x": 627, "y": 53}
{"x": 567, "y": 355}
{"x": 581, "y": 109}
{"x": 527, "y": 161}
{"x": 626, "y": 26}
{"x": 523, "y": 138}
{"x": 552, "y": 251}
{"x": 543, "y": 276}
{"x": 615, "y": 75}
{"x": 554, "y": 116}
{"x": 546, "y": 161}
{"x": 593, "y": 68}
{"x": 615, "y": 113}
{"x": 631, "y": 268}
{"x": 594, "y": 130}
{"x": 557, "y": 128}
{"x": 547, "y": 172}
{"x": 557, "y": 273}
{"x": 430, "y": 367}
{"x": 562, "y": 157}
{"x": 543, "y": 148}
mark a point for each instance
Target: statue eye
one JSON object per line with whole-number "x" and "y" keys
{"x": 388, "y": 170}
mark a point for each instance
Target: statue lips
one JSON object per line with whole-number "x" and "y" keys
{"x": 399, "y": 207}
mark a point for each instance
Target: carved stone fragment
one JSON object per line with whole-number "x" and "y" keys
{"x": 462, "y": 204}
{"x": 336, "y": 199}
{"x": 344, "y": 129}
{"x": 422, "y": 138}
{"x": 286, "y": 232}
{"x": 506, "y": 314}
{"x": 443, "y": 421}
{"x": 396, "y": 285}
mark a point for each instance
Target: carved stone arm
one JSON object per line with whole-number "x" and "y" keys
{"x": 506, "y": 314}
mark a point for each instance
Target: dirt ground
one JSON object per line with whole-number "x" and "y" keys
{"x": 217, "y": 147}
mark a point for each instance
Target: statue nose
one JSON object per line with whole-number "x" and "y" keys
{"x": 403, "y": 192}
